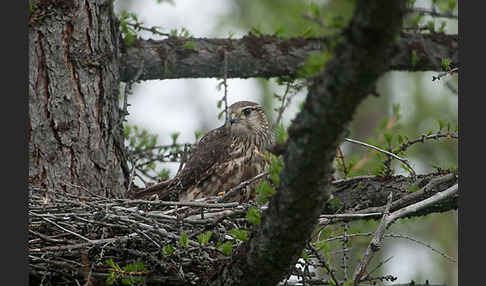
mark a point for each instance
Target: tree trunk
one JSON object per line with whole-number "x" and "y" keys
{"x": 75, "y": 129}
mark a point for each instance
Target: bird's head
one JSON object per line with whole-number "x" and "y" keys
{"x": 247, "y": 119}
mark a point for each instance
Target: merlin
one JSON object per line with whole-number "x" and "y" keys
{"x": 222, "y": 159}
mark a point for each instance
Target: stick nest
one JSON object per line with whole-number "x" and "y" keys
{"x": 73, "y": 239}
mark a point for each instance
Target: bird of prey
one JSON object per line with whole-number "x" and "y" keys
{"x": 222, "y": 159}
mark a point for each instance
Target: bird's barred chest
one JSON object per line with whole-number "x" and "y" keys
{"x": 243, "y": 163}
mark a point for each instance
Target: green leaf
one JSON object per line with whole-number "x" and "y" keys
{"x": 264, "y": 191}
{"x": 255, "y": 30}
{"x": 399, "y": 139}
{"x": 451, "y": 4}
{"x": 431, "y": 26}
{"x": 276, "y": 166}
{"x": 388, "y": 137}
{"x": 184, "y": 241}
{"x": 253, "y": 216}
{"x": 110, "y": 263}
{"x": 315, "y": 10}
{"x": 348, "y": 282}
{"x": 281, "y": 135}
{"x": 314, "y": 64}
{"x": 167, "y": 250}
{"x": 204, "y": 238}
{"x": 226, "y": 248}
{"x": 198, "y": 134}
{"x": 174, "y": 137}
{"x": 446, "y": 64}
{"x": 413, "y": 188}
{"x": 304, "y": 255}
{"x": 442, "y": 26}
{"x": 416, "y": 20}
{"x": 239, "y": 234}
{"x": 190, "y": 45}
{"x": 415, "y": 58}
{"x": 441, "y": 124}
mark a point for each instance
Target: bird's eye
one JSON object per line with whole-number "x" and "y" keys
{"x": 247, "y": 111}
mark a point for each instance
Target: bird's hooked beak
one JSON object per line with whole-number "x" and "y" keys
{"x": 233, "y": 118}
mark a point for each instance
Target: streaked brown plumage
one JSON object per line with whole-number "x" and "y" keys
{"x": 222, "y": 159}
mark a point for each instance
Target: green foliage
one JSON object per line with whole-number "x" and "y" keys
{"x": 139, "y": 139}
{"x": 184, "y": 241}
{"x": 226, "y": 248}
{"x": 446, "y": 64}
{"x": 264, "y": 191}
{"x": 254, "y": 216}
{"x": 174, "y": 137}
{"x": 413, "y": 188}
{"x": 182, "y": 33}
{"x": 388, "y": 135}
{"x": 314, "y": 64}
{"x": 415, "y": 58}
{"x": 442, "y": 26}
{"x": 204, "y": 238}
{"x": 32, "y": 7}
{"x": 276, "y": 166}
{"x": 198, "y": 134}
{"x": 167, "y": 250}
{"x": 190, "y": 45}
{"x": 239, "y": 234}
{"x": 128, "y": 31}
{"x": 131, "y": 274}
{"x": 281, "y": 134}
{"x": 431, "y": 26}
{"x": 304, "y": 255}
{"x": 163, "y": 174}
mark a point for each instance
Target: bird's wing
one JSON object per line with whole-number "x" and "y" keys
{"x": 212, "y": 149}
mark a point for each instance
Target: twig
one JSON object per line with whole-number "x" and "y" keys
{"x": 282, "y": 106}
{"x": 347, "y": 216}
{"x": 324, "y": 264}
{"x": 345, "y": 257}
{"x": 422, "y": 204}
{"x": 128, "y": 88}
{"x": 442, "y": 74}
{"x": 433, "y": 13}
{"x": 153, "y": 30}
{"x": 241, "y": 186}
{"x": 388, "y": 219}
{"x": 341, "y": 157}
{"x": 398, "y": 235}
{"x": 225, "y": 98}
{"x": 404, "y": 161}
{"x": 65, "y": 229}
{"x": 422, "y": 139}
{"x": 377, "y": 266}
{"x": 374, "y": 245}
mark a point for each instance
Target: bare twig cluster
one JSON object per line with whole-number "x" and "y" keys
{"x": 163, "y": 235}
{"x": 72, "y": 237}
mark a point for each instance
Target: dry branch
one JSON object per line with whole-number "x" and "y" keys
{"x": 267, "y": 56}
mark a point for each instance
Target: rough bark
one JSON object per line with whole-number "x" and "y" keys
{"x": 267, "y": 56}
{"x": 313, "y": 138}
{"x": 369, "y": 194}
{"x": 75, "y": 134}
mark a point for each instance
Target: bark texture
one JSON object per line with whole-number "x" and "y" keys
{"x": 360, "y": 58}
{"x": 75, "y": 134}
{"x": 369, "y": 194}
{"x": 268, "y": 56}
